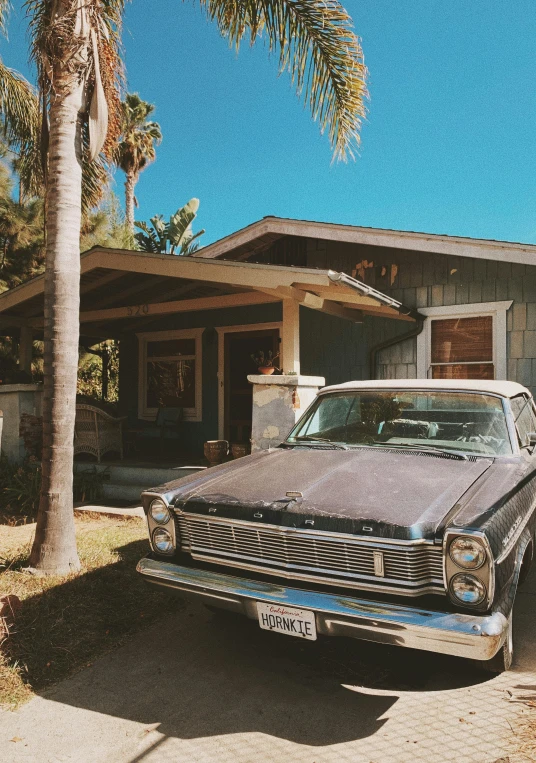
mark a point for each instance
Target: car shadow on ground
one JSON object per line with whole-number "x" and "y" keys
{"x": 199, "y": 674}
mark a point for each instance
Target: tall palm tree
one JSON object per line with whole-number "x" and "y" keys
{"x": 74, "y": 44}
{"x": 136, "y": 147}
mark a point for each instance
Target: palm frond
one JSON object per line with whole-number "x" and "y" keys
{"x": 316, "y": 45}
{"x": 82, "y": 36}
{"x": 19, "y": 107}
{"x": 147, "y": 240}
{"x": 5, "y": 7}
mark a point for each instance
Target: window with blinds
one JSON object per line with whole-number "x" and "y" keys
{"x": 462, "y": 348}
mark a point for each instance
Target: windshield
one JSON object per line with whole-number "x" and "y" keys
{"x": 462, "y": 421}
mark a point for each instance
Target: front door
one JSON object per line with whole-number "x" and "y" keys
{"x": 238, "y": 349}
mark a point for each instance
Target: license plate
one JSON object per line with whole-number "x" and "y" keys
{"x": 288, "y": 620}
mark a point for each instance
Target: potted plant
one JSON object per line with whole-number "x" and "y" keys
{"x": 265, "y": 361}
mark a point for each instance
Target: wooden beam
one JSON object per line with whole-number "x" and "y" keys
{"x": 180, "y": 306}
{"x": 133, "y": 289}
{"x": 314, "y": 302}
{"x": 107, "y": 278}
{"x": 290, "y": 337}
{"x": 11, "y": 321}
{"x": 178, "y": 291}
{"x": 385, "y": 312}
{"x": 341, "y": 294}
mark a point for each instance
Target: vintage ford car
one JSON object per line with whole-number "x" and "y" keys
{"x": 401, "y": 512}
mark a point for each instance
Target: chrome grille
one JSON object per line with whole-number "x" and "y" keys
{"x": 409, "y": 568}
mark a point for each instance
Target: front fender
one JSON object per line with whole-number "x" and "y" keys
{"x": 508, "y": 571}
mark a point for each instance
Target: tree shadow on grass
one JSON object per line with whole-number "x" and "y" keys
{"x": 62, "y": 628}
{"x": 196, "y": 674}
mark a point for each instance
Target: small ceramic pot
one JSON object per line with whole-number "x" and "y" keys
{"x": 215, "y": 451}
{"x": 239, "y": 449}
{"x": 266, "y": 370}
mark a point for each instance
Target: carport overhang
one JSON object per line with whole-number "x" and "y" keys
{"x": 123, "y": 291}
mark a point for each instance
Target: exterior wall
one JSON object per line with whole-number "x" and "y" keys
{"x": 418, "y": 280}
{"x": 15, "y": 400}
{"x": 337, "y": 349}
{"x": 195, "y": 433}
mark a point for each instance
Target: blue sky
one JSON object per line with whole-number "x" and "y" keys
{"x": 448, "y": 146}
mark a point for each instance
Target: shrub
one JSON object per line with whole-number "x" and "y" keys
{"x": 20, "y": 486}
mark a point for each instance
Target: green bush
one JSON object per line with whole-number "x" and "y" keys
{"x": 20, "y": 486}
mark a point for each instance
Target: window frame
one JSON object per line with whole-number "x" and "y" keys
{"x": 497, "y": 311}
{"x": 190, "y": 414}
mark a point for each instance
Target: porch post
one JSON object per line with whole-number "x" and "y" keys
{"x": 290, "y": 339}
{"x": 25, "y": 349}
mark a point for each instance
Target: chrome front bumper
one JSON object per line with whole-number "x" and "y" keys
{"x": 474, "y": 636}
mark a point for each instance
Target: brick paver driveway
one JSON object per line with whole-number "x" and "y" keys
{"x": 201, "y": 689}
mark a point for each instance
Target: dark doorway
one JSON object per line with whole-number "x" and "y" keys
{"x": 239, "y": 347}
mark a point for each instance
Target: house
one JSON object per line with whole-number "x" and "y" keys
{"x": 335, "y": 302}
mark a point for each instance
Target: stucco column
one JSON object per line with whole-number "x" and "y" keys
{"x": 16, "y": 399}
{"x": 278, "y": 403}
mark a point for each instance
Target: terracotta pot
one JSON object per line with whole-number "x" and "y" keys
{"x": 239, "y": 449}
{"x": 215, "y": 451}
{"x": 266, "y": 370}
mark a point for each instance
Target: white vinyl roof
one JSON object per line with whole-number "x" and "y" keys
{"x": 496, "y": 387}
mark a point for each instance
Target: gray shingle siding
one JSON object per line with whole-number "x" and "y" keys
{"x": 419, "y": 280}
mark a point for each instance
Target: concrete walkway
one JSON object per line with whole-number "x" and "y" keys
{"x": 209, "y": 689}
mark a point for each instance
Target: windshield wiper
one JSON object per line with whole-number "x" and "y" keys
{"x": 308, "y": 439}
{"x": 423, "y": 448}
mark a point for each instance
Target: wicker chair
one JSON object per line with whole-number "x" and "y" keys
{"x": 96, "y": 432}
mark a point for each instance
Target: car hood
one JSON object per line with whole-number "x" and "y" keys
{"x": 367, "y": 491}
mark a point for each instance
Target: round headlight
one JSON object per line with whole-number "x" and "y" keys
{"x": 159, "y": 512}
{"x": 468, "y": 553}
{"x": 468, "y": 589}
{"x": 162, "y": 541}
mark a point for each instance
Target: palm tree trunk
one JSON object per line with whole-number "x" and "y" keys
{"x": 54, "y": 547}
{"x": 130, "y": 185}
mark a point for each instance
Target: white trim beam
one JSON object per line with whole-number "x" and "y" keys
{"x": 179, "y": 306}
{"x": 290, "y": 337}
{"x": 456, "y": 246}
{"x": 213, "y": 271}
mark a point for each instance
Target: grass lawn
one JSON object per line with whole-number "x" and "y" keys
{"x": 65, "y": 622}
